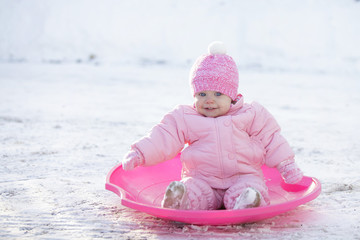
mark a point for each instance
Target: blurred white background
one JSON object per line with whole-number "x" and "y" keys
{"x": 306, "y": 35}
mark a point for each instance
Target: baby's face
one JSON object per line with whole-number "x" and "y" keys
{"x": 212, "y": 104}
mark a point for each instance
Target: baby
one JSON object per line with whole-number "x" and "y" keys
{"x": 227, "y": 143}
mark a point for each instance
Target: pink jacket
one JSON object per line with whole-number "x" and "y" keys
{"x": 218, "y": 150}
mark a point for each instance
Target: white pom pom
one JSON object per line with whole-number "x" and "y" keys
{"x": 217, "y": 48}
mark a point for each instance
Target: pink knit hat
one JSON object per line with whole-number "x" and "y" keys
{"x": 215, "y": 71}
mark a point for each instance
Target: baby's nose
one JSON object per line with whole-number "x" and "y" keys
{"x": 209, "y": 99}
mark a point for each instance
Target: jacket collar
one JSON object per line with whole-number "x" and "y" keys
{"x": 238, "y": 103}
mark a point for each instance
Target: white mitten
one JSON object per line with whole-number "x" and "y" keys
{"x": 290, "y": 172}
{"x": 132, "y": 160}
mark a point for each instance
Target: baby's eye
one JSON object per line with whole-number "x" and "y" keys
{"x": 202, "y": 94}
{"x": 218, "y": 94}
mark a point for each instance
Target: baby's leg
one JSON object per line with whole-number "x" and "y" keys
{"x": 248, "y": 191}
{"x": 200, "y": 196}
{"x": 191, "y": 194}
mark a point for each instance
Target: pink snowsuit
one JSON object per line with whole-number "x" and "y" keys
{"x": 224, "y": 154}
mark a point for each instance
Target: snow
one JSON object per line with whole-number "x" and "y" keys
{"x": 80, "y": 81}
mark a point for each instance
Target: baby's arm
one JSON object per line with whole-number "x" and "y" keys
{"x": 164, "y": 141}
{"x": 278, "y": 151}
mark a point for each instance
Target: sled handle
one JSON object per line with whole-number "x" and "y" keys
{"x": 304, "y": 184}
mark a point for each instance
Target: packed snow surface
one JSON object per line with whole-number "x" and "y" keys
{"x": 81, "y": 80}
{"x": 63, "y": 127}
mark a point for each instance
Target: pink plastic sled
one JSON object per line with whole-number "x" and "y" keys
{"x": 143, "y": 189}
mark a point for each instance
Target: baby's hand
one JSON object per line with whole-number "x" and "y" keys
{"x": 132, "y": 160}
{"x": 290, "y": 172}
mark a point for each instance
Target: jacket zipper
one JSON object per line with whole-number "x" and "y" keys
{"x": 219, "y": 151}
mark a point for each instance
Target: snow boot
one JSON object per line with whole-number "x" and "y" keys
{"x": 175, "y": 196}
{"x": 249, "y": 198}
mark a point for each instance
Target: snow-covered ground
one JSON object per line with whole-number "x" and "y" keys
{"x": 63, "y": 127}
{"x": 77, "y": 90}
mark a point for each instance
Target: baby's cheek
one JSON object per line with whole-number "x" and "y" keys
{"x": 197, "y": 105}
